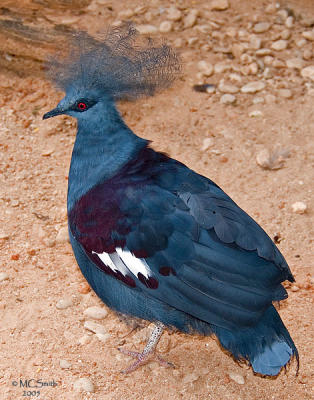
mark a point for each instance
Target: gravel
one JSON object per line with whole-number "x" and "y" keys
{"x": 62, "y": 304}
{"x": 3, "y": 276}
{"x": 96, "y": 313}
{"x": 83, "y": 385}
{"x": 227, "y": 99}
{"x": 261, "y": 27}
{"x": 308, "y": 72}
{"x": 174, "y": 14}
{"x": 94, "y": 327}
{"x": 279, "y": 45}
{"x": 63, "y": 235}
{"x": 205, "y": 68}
{"x": 253, "y": 87}
{"x": 147, "y": 29}
{"x": 299, "y": 207}
{"x": 236, "y": 378}
{"x": 219, "y": 5}
{"x": 165, "y": 27}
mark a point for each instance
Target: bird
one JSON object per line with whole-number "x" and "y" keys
{"x": 154, "y": 239}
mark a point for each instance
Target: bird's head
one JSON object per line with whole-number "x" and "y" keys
{"x": 114, "y": 67}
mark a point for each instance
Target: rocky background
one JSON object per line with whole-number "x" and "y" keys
{"x": 242, "y": 114}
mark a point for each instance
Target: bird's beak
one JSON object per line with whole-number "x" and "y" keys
{"x": 53, "y": 113}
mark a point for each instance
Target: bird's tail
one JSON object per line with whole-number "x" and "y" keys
{"x": 267, "y": 346}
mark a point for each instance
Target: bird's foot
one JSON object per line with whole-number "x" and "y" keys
{"x": 143, "y": 358}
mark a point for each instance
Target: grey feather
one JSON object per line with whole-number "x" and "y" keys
{"x": 119, "y": 63}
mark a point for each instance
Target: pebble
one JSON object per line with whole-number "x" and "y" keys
{"x": 64, "y": 364}
{"x": 308, "y": 72}
{"x": 219, "y": 5}
{"x": 253, "y": 68}
{"x": 190, "y": 19}
{"x": 84, "y": 340}
{"x": 300, "y": 43}
{"x": 205, "y": 67}
{"x": 279, "y": 45}
{"x": 258, "y": 100}
{"x": 207, "y": 143}
{"x": 4, "y": 235}
{"x": 84, "y": 385}
{"x": 294, "y": 288}
{"x": 96, "y": 312}
{"x": 103, "y": 337}
{"x": 62, "y": 304}
{"x": 253, "y": 87}
{"x": 189, "y": 378}
{"x": 221, "y": 67}
{"x": 126, "y": 14}
{"x": 307, "y": 54}
{"x": 296, "y": 63}
{"x": 261, "y": 27}
{"x": 227, "y": 99}
{"x": 237, "y": 50}
{"x": 174, "y": 14}
{"x": 271, "y": 8}
{"x": 308, "y": 35}
{"x": 256, "y": 114}
{"x": 263, "y": 52}
{"x": 146, "y": 29}
{"x": 227, "y": 88}
{"x": 236, "y": 378}
{"x": 255, "y": 42}
{"x": 165, "y": 27}
{"x": 84, "y": 288}
{"x": 285, "y": 93}
{"x": 289, "y": 22}
{"x": 94, "y": 327}
{"x": 63, "y": 235}
{"x": 299, "y": 207}
{"x": 285, "y": 34}
{"x": 3, "y": 276}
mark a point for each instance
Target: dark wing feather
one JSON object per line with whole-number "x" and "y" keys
{"x": 206, "y": 256}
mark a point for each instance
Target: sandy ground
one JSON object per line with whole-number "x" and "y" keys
{"x": 38, "y": 269}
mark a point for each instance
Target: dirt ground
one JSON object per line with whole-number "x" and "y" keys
{"x": 43, "y": 338}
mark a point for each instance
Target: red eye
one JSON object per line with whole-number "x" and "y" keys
{"x": 82, "y": 106}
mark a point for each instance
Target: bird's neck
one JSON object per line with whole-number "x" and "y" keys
{"x": 100, "y": 150}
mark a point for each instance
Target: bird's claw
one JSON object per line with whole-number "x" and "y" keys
{"x": 142, "y": 359}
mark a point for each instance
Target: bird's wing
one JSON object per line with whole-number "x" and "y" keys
{"x": 178, "y": 237}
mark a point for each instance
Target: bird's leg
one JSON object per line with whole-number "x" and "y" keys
{"x": 149, "y": 353}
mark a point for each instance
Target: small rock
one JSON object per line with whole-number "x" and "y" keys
{"x": 165, "y": 27}
{"x": 48, "y": 242}
{"x": 219, "y": 5}
{"x": 205, "y": 67}
{"x": 64, "y": 364}
{"x": 308, "y": 72}
{"x": 221, "y": 67}
{"x": 263, "y": 52}
{"x": 64, "y": 303}
{"x": 261, "y": 27}
{"x": 294, "y": 288}
{"x": 189, "y": 378}
{"x": 227, "y": 88}
{"x": 270, "y": 98}
{"x": 63, "y": 235}
{"x": 256, "y": 114}
{"x": 84, "y": 340}
{"x": 307, "y": 54}
{"x": 253, "y": 68}
{"x": 3, "y": 276}
{"x": 227, "y": 99}
{"x": 308, "y": 35}
{"x": 237, "y": 50}
{"x": 4, "y": 235}
{"x": 84, "y": 385}
{"x": 296, "y": 63}
{"x": 299, "y": 207}
{"x": 126, "y": 14}
{"x": 300, "y": 43}
{"x": 103, "y": 337}
{"x": 279, "y": 45}
{"x": 278, "y": 63}
{"x": 190, "y": 19}
{"x": 255, "y": 42}
{"x": 84, "y": 288}
{"x": 207, "y": 143}
{"x": 272, "y": 161}
{"x": 174, "y": 14}
{"x": 285, "y": 93}
{"x": 236, "y": 378}
{"x": 146, "y": 29}
{"x": 285, "y": 34}
{"x": 94, "y": 327}
{"x": 253, "y": 87}
{"x": 47, "y": 152}
{"x": 96, "y": 312}
{"x": 178, "y": 42}
{"x": 289, "y": 22}
{"x": 258, "y": 100}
